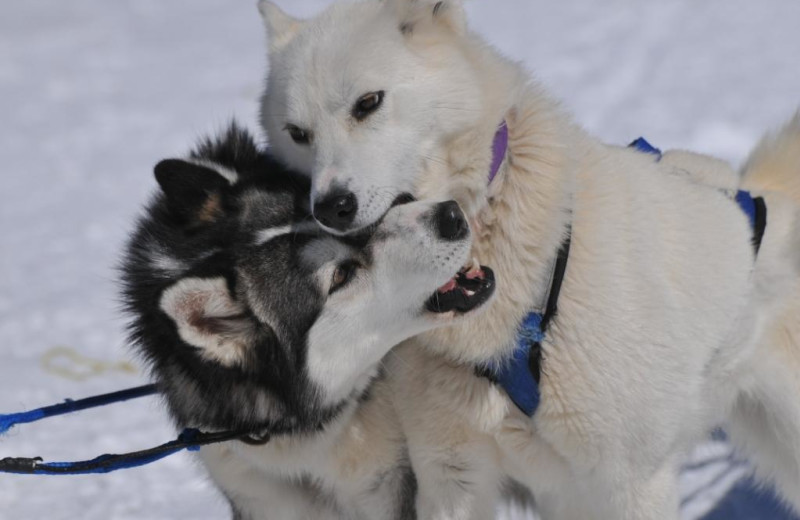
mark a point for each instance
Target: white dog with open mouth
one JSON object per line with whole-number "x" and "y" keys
{"x": 668, "y": 321}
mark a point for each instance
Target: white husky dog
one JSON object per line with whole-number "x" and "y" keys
{"x": 668, "y": 323}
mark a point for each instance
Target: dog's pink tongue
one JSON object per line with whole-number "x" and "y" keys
{"x": 449, "y": 286}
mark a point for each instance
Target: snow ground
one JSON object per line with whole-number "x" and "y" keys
{"x": 94, "y": 93}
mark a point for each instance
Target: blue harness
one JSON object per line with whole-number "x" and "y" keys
{"x": 519, "y": 374}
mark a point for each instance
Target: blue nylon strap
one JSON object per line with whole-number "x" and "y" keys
{"x": 190, "y": 439}
{"x": 748, "y": 205}
{"x": 515, "y": 375}
{"x": 101, "y": 464}
{"x": 8, "y": 421}
{"x": 68, "y": 406}
{"x": 641, "y": 145}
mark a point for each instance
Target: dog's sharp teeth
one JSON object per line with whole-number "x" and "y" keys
{"x": 475, "y": 271}
{"x": 473, "y": 265}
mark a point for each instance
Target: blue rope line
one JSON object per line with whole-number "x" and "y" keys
{"x": 190, "y": 439}
{"x": 8, "y": 421}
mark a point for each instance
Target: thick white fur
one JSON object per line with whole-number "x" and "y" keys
{"x": 346, "y": 471}
{"x": 666, "y": 327}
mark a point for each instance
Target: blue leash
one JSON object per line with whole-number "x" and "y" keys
{"x": 68, "y": 406}
{"x": 190, "y": 439}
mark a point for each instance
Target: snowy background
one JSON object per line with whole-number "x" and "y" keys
{"x": 93, "y": 93}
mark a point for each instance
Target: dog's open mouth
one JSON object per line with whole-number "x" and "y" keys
{"x": 470, "y": 288}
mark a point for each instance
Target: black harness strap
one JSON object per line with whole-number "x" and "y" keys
{"x": 536, "y": 356}
{"x": 760, "y": 222}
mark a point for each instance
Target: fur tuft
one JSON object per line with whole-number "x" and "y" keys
{"x": 281, "y": 28}
{"x": 775, "y": 163}
{"x": 420, "y": 13}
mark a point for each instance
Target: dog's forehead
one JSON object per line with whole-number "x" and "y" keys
{"x": 337, "y": 56}
{"x": 264, "y": 209}
{"x": 276, "y": 288}
{"x": 324, "y": 250}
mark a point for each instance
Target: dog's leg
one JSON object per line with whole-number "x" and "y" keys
{"x": 771, "y": 442}
{"x": 456, "y": 464}
{"x": 765, "y": 421}
{"x": 456, "y": 482}
{"x": 263, "y": 498}
{"x": 626, "y": 496}
{"x": 392, "y": 496}
{"x": 654, "y": 499}
{"x": 256, "y": 495}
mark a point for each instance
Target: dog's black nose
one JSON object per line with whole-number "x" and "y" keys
{"x": 337, "y": 210}
{"x": 450, "y": 222}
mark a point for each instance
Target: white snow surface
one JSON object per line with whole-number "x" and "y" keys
{"x": 93, "y": 93}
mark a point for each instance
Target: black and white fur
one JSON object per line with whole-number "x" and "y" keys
{"x": 252, "y": 318}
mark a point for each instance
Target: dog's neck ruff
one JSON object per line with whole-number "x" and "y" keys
{"x": 519, "y": 374}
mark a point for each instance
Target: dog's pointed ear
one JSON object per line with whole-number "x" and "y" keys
{"x": 195, "y": 193}
{"x": 415, "y": 14}
{"x": 208, "y": 318}
{"x": 281, "y": 28}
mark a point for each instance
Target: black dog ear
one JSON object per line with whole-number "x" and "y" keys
{"x": 195, "y": 193}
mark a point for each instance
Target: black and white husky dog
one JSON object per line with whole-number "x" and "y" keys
{"x": 252, "y": 318}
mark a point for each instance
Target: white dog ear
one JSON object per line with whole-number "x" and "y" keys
{"x": 415, "y": 14}
{"x": 281, "y": 28}
{"x": 207, "y": 317}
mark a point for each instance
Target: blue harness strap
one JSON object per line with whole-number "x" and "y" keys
{"x": 641, "y": 145}
{"x": 519, "y": 374}
{"x": 516, "y": 376}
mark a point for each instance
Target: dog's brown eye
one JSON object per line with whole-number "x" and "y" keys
{"x": 342, "y": 275}
{"x": 367, "y": 104}
{"x": 298, "y": 135}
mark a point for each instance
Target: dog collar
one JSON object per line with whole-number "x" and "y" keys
{"x": 519, "y": 374}
{"x": 499, "y": 148}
